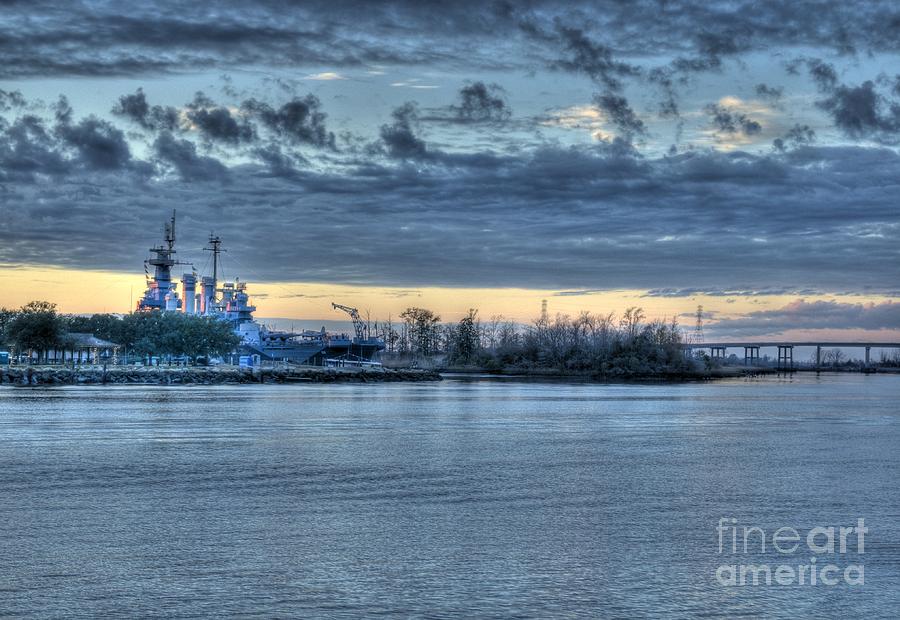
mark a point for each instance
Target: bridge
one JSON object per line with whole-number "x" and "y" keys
{"x": 718, "y": 350}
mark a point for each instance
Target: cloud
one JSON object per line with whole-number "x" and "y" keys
{"x": 592, "y": 59}
{"x": 280, "y": 163}
{"x": 301, "y": 120}
{"x": 28, "y": 149}
{"x": 798, "y": 135}
{"x": 182, "y": 156}
{"x": 822, "y": 73}
{"x": 144, "y": 38}
{"x": 711, "y": 47}
{"x": 481, "y": 102}
{"x": 414, "y": 83}
{"x": 728, "y": 292}
{"x": 326, "y": 76}
{"x": 771, "y": 93}
{"x": 98, "y": 143}
{"x": 11, "y": 99}
{"x": 416, "y": 209}
{"x": 804, "y": 315}
{"x": 731, "y": 121}
{"x": 861, "y": 112}
{"x": 569, "y": 219}
{"x": 580, "y": 117}
{"x": 135, "y": 108}
{"x": 620, "y": 115}
{"x": 400, "y": 137}
{"x": 217, "y": 123}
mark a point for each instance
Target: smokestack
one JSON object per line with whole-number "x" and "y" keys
{"x": 207, "y": 294}
{"x": 189, "y": 290}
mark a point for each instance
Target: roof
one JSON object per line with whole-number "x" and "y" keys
{"x": 88, "y": 341}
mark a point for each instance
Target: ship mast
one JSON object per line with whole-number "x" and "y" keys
{"x": 215, "y": 246}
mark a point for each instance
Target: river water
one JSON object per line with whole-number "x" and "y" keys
{"x": 468, "y": 498}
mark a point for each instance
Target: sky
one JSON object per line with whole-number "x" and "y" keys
{"x": 600, "y": 155}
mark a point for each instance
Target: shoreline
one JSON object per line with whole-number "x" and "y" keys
{"x": 727, "y": 372}
{"x": 593, "y": 376}
{"x": 30, "y": 376}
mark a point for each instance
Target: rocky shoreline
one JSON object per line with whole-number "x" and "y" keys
{"x": 132, "y": 375}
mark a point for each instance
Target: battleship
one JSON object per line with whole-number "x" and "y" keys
{"x": 231, "y": 302}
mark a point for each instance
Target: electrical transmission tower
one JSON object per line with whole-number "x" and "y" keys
{"x": 698, "y": 327}
{"x": 544, "y": 316}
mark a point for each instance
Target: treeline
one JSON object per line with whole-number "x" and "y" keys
{"x": 37, "y": 328}
{"x": 605, "y": 344}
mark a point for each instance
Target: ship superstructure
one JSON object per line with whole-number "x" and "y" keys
{"x": 160, "y": 293}
{"x": 231, "y": 302}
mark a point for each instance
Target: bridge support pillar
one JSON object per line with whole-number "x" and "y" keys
{"x": 868, "y": 350}
{"x": 717, "y": 353}
{"x": 785, "y": 357}
{"x": 818, "y": 356}
{"x": 751, "y": 355}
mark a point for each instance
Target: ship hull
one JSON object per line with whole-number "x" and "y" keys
{"x": 353, "y": 350}
{"x": 301, "y": 353}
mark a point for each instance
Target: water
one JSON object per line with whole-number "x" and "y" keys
{"x": 460, "y": 499}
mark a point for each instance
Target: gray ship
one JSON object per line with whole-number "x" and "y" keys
{"x": 230, "y": 302}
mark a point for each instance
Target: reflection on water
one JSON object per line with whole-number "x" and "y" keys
{"x": 465, "y": 498}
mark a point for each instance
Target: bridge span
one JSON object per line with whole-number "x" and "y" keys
{"x": 718, "y": 350}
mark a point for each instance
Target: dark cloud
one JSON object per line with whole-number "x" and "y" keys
{"x": 593, "y": 59}
{"x": 771, "y": 93}
{"x": 620, "y": 114}
{"x": 27, "y": 149}
{"x": 558, "y": 218}
{"x": 711, "y": 47}
{"x": 537, "y": 214}
{"x": 663, "y": 77}
{"x": 400, "y": 137}
{"x": 182, "y": 156}
{"x": 279, "y": 162}
{"x": 62, "y": 111}
{"x": 822, "y": 73}
{"x": 217, "y": 123}
{"x": 861, "y": 112}
{"x": 300, "y": 120}
{"x": 141, "y": 38}
{"x": 481, "y": 102}
{"x": 804, "y": 315}
{"x": 731, "y": 122}
{"x": 135, "y": 108}
{"x": 798, "y": 135}
{"x": 728, "y": 292}
{"x": 98, "y": 143}
{"x": 10, "y": 99}
{"x": 30, "y": 148}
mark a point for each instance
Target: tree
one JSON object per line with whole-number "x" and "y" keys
{"x": 36, "y": 327}
{"x": 465, "y": 341}
{"x": 631, "y": 321}
{"x": 834, "y": 357}
{"x": 421, "y": 330}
